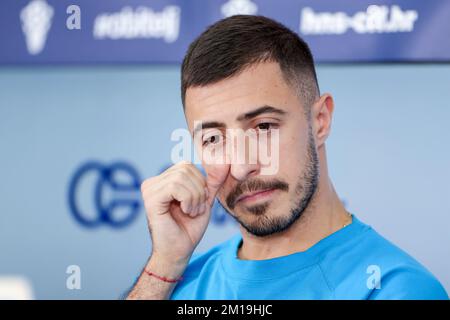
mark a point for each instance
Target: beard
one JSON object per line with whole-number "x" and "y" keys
{"x": 265, "y": 225}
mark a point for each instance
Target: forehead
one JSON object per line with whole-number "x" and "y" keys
{"x": 258, "y": 85}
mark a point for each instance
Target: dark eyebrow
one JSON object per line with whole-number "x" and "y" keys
{"x": 246, "y": 116}
{"x": 264, "y": 109}
{"x": 208, "y": 125}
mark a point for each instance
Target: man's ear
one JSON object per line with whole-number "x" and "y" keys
{"x": 321, "y": 117}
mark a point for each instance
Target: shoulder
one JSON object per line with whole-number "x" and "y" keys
{"x": 379, "y": 269}
{"x": 402, "y": 276}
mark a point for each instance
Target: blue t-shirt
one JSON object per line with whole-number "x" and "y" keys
{"x": 353, "y": 263}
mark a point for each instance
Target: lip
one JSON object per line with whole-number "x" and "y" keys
{"x": 254, "y": 196}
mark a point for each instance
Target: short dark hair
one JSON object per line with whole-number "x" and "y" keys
{"x": 231, "y": 45}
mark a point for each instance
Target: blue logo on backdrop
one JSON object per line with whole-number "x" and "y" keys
{"x": 114, "y": 187}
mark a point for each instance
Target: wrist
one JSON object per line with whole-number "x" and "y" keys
{"x": 172, "y": 269}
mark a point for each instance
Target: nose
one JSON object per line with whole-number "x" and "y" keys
{"x": 242, "y": 171}
{"x": 244, "y": 158}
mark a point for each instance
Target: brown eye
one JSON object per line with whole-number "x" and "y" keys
{"x": 264, "y": 126}
{"x": 212, "y": 140}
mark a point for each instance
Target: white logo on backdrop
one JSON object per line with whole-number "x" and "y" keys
{"x": 36, "y": 20}
{"x": 142, "y": 22}
{"x": 234, "y": 7}
{"x": 376, "y": 19}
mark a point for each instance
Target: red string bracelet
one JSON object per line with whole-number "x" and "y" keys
{"x": 163, "y": 278}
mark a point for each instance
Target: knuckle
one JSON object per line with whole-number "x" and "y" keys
{"x": 144, "y": 184}
{"x": 147, "y": 183}
{"x": 183, "y": 164}
{"x": 182, "y": 175}
{"x": 177, "y": 190}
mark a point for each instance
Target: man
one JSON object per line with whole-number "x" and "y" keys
{"x": 297, "y": 240}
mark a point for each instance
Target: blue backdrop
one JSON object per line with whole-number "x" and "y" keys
{"x": 45, "y": 31}
{"x": 388, "y": 153}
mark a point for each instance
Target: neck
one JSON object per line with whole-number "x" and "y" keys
{"x": 324, "y": 215}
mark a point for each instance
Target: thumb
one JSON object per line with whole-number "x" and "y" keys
{"x": 215, "y": 177}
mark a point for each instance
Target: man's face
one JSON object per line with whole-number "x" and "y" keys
{"x": 263, "y": 204}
